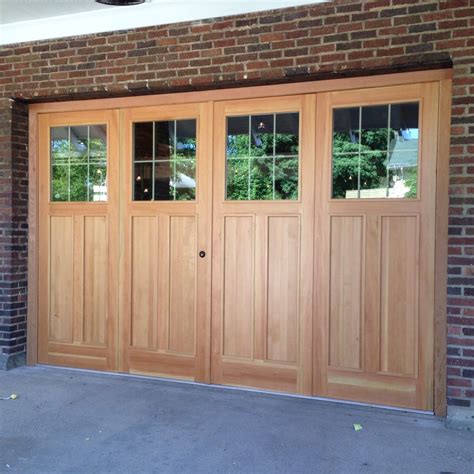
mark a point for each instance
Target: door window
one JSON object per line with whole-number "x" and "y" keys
{"x": 262, "y": 157}
{"x": 375, "y": 151}
{"x": 164, "y": 160}
{"x": 78, "y": 163}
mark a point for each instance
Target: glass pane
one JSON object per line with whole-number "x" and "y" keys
{"x": 142, "y": 181}
{"x": 60, "y": 183}
{"x": 164, "y": 190}
{"x": 143, "y": 141}
{"x": 345, "y": 173}
{"x": 403, "y": 183}
{"x": 238, "y": 179}
{"x": 403, "y": 151}
{"x": 286, "y": 178}
{"x": 98, "y": 144}
{"x": 238, "y": 136}
{"x": 59, "y": 145}
{"x": 78, "y": 183}
{"x": 374, "y": 128}
{"x": 380, "y": 159}
{"x": 262, "y": 138}
{"x": 98, "y": 183}
{"x": 287, "y": 134}
{"x": 186, "y": 139}
{"x": 346, "y": 131}
{"x": 184, "y": 180}
{"x": 373, "y": 175}
{"x": 164, "y": 140}
{"x": 261, "y": 179}
{"x": 79, "y": 149}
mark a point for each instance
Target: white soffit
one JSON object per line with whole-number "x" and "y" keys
{"x": 30, "y": 20}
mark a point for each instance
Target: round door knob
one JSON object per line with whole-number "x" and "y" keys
{"x": 202, "y": 254}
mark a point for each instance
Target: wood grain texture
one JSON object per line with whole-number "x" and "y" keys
{"x": 333, "y": 298}
{"x": 238, "y": 315}
{"x": 165, "y": 286}
{"x": 441, "y": 251}
{"x": 77, "y": 301}
{"x": 33, "y": 247}
{"x": 399, "y": 295}
{"x": 96, "y": 264}
{"x": 182, "y": 296}
{"x": 397, "y": 292}
{"x": 283, "y": 288}
{"x": 310, "y": 87}
{"x": 61, "y": 274}
{"x": 144, "y": 281}
{"x": 262, "y": 267}
{"x": 346, "y": 291}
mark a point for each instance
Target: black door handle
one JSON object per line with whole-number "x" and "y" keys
{"x": 202, "y": 254}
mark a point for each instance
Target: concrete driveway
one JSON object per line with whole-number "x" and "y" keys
{"x": 72, "y": 421}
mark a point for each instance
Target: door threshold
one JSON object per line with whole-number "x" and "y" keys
{"x": 243, "y": 389}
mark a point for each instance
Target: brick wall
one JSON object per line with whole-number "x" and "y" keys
{"x": 13, "y": 231}
{"x": 338, "y": 38}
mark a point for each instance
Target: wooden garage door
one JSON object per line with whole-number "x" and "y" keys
{"x": 262, "y": 253}
{"x": 315, "y": 213}
{"x": 78, "y": 239}
{"x": 375, "y": 232}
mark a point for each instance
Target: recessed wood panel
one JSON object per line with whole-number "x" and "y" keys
{"x": 95, "y": 279}
{"x": 283, "y": 272}
{"x": 238, "y": 286}
{"x": 144, "y": 285}
{"x": 399, "y": 287}
{"x": 345, "y": 318}
{"x": 61, "y": 279}
{"x": 182, "y": 284}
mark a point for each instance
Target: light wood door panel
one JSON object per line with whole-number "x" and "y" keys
{"x": 374, "y": 305}
{"x": 399, "y": 295}
{"x": 283, "y": 285}
{"x": 346, "y": 301}
{"x": 61, "y": 318}
{"x": 78, "y": 253}
{"x": 262, "y": 271}
{"x": 166, "y": 292}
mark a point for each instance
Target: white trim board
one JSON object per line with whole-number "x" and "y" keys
{"x": 155, "y": 12}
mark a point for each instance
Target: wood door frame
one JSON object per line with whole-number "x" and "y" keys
{"x": 443, "y": 76}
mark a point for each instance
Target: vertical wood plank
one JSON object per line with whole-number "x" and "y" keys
{"x": 182, "y": 295}
{"x": 96, "y": 288}
{"x": 78, "y": 278}
{"x": 144, "y": 238}
{"x": 346, "y": 287}
{"x": 283, "y": 288}
{"x": 321, "y": 245}
{"x": 372, "y": 294}
{"x": 441, "y": 251}
{"x": 239, "y": 286}
{"x": 61, "y": 289}
{"x": 261, "y": 288}
{"x": 399, "y": 295}
{"x": 33, "y": 243}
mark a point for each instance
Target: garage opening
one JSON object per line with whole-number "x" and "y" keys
{"x": 281, "y": 238}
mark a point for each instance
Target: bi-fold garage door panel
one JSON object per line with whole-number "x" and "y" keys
{"x": 262, "y": 249}
{"x": 165, "y": 306}
{"x": 374, "y": 313}
{"x": 78, "y": 286}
